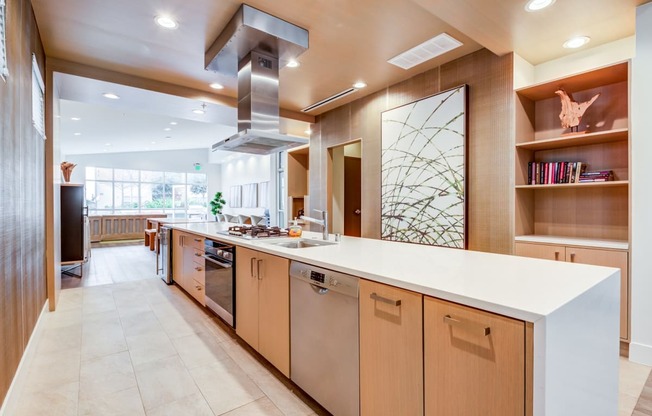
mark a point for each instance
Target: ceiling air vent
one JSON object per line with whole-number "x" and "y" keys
{"x": 329, "y": 99}
{"x": 429, "y": 49}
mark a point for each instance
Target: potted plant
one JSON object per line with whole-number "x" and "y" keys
{"x": 217, "y": 204}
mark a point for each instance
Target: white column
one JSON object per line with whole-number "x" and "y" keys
{"x": 640, "y": 349}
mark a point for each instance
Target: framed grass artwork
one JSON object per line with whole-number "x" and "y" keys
{"x": 423, "y": 170}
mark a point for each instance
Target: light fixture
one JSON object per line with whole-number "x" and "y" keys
{"x": 359, "y": 85}
{"x": 536, "y": 5}
{"x": 153, "y": 142}
{"x": 217, "y": 86}
{"x": 293, "y": 63}
{"x": 167, "y": 129}
{"x": 576, "y": 42}
{"x": 173, "y": 123}
{"x": 75, "y": 118}
{"x": 77, "y": 134}
{"x": 309, "y": 132}
{"x": 111, "y": 96}
{"x": 201, "y": 110}
{"x": 166, "y": 22}
{"x": 107, "y": 144}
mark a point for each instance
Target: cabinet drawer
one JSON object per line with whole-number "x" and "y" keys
{"x": 198, "y": 273}
{"x": 391, "y": 350}
{"x": 194, "y": 241}
{"x": 197, "y": 290}
{"x": 474, "y": 361}
{"x": 540, "y": 251}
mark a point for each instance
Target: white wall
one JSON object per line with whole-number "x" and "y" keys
{"x": 243, "y": 170}
{"x": 640, "y": 349}
{"x": 166, "y": 161}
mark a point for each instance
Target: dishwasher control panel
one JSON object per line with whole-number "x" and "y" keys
{"x": 325, "y": 278}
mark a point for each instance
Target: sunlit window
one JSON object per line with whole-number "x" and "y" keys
{"x": 4, "y": 71}
{"x": 130, "y": 191}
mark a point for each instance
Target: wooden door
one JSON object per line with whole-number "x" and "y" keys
{"x": 474, "y": 361}
{"x": 352, "y": 198}
{"x": 540, "y": 251}
{"x": 391, "y": 351}
{"x": 274, "y": 311}
{"x": 609, "y": 258}
{"x": 178, "y": 238}
{"x": 246, "y": 296}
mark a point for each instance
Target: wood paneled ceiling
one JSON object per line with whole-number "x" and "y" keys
{"x": 350, "y": 40}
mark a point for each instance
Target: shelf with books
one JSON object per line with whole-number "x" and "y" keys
{"x": 575, "y": 185}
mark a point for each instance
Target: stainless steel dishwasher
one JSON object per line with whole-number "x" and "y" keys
{"x": 324, "y": 337}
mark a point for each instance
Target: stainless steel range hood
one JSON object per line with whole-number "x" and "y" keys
{"x": 250, "y": 46}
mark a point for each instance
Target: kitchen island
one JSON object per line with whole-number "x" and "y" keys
{"x": 570, "y": 311}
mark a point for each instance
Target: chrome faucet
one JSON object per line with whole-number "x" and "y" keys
{"x": 323, "y": 222}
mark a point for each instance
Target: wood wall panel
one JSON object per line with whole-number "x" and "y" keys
{"x": 22, "y": 258}
{"x": 491, "y": 144}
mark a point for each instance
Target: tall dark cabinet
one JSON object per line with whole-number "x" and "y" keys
{"x": 73, "y": 224}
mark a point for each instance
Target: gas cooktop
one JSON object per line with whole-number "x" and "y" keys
{"x": 255, "y": 231}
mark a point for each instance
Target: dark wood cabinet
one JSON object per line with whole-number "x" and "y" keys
{"x": 73, "y": 247}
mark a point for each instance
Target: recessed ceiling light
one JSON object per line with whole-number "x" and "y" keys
{"x": 107, "y": 144}
{"x": 293, "y": 63}
{"x": 166, "y": 22}
{"x": 198, "y": 111}
{"x": 359, "y": 85}
{"x": 173, "y": 123}
{"x": 217, "y": 86}
{"x": 111, "y": 96}
{"x": 536, "y": 5}
{"x": 75, "y": 118}
{"x": 153, "y": 142}
{"x": 576, "y": 42}
{"x": 77, "y": 134}
{"x": 105, "y": 150}
{"x": 167, "y": 129}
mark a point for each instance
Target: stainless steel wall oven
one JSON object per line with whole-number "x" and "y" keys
{"x": 220, "y": 279}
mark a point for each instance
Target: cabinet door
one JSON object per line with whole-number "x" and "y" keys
{"x": 474, "y": 361}
{"x": 177, "y": 257}
{"x": 274, "y": 311}
{"x": 391, "y": 351}
{"x": 540, "y": 251}
{"x": 246, "y": 296}
{"x": 609, "y": 258}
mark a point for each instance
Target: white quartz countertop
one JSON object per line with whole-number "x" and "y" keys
{"x": 523, "y": 288}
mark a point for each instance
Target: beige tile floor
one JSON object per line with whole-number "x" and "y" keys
{"x": 140, "y": 347}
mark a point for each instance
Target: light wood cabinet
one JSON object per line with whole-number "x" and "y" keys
{"x": 391, "y": 350}
{"x": 263, "y": 305}
{"x": 474, "y": 361}
{"x": 188, "y": 264}
{"x": 583, "y": 255}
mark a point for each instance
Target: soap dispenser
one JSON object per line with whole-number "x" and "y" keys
{"x": 295, "y": 229}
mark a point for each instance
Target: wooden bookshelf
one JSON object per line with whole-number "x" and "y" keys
{"x": 587, "y": 222}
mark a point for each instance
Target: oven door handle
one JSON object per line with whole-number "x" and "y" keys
{"x": 219, "y": 263}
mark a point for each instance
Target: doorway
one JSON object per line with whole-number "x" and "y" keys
{"x": 344, "y": 196}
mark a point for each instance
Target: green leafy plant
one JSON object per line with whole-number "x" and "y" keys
{"x": 217, "y": 203}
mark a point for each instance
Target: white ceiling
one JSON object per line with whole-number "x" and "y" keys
{"x": 350, "y": 40}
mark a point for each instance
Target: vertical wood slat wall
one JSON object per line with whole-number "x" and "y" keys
{"x": 490, "y": 147}
{"x": 22, "y": 184}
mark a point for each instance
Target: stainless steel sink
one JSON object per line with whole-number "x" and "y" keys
{"x": 302, "y": 243}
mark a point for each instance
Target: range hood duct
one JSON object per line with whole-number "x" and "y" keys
{"x": 251, "y": 47}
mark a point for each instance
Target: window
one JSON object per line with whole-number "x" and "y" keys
{"x": 38, "y": 98}
{"x": 127, "y": 191}
{"x": 281, "y": 192}
{"x": 4, "y": 71}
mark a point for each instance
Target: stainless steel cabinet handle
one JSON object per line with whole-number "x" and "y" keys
{"x": 252, "y": 261}
{"x": 572, "y": 257}
{"x": 258, "y": 270}
{"x": 468, "y": 326}
{"x": 198, "y": 268}
{"x": 198, "y": 254}
{"x": 198, "y": 240}
{"x": 375, "y": 296}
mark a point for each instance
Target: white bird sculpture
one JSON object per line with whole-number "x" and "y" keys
{"x": 571, "y": 110}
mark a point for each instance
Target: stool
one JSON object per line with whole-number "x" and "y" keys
{"x": 150, "y": 238}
